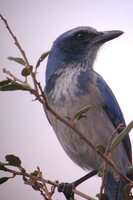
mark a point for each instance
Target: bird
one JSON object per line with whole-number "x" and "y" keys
{"x": 72, "y": 84}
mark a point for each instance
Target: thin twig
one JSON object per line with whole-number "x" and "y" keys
{"x": 12, "y": 76}
{"x": 44, "y": 182}
{"x": 107, "y": 153}
{"x": 21, "y": 51}
{"x": 82, "y": 194}
{"x": 16, "y": 40}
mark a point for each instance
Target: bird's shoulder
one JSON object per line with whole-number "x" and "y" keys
{"x": 114, "y": 112}
{"x": 110, "y": 102}
{"x": 92, "y": 84}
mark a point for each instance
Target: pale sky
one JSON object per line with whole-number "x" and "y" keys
{"x": 25, "y": 130}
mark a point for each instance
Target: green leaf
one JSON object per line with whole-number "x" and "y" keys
{"x": 120, "y": 137}
{"x": 101, "y": 148}
{"x": 35, "y": 173}
{"x": 3, "y": 180}
{"x": 2, "y": 167}
{"x": 100, "y": 173}
{"x": 4, "y": 82}
{"x": 130, "y": 168}
{"x": 18, "y": 60}
{"x": 43, "y": 56}
{"x": 102, "y": 196}
{"x": 27, "y": 71}
{"x": 13, "y": 160}
{"x": 37, "y": 186}
{"x": 80, "y": 114}
{"x": 11, "y": 85}
{"x": 127, "y": 192}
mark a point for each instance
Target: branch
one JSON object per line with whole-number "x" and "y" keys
{"x": 20, "y": 49}
{"x": 16, "y": 40}
{"x": 12, "y": 76}
{"x": 34, "y": 179}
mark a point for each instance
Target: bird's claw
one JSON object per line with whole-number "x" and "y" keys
{"x": 66, "y": 188}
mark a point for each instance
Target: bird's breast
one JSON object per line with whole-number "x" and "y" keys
{"x": 65, "y": 87}
{"x": 69, "y": 94}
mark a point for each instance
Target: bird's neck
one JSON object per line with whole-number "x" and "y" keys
{"x": 67, "y": 83}
{"x": 66, "y": 76}
{"x": 60, "y": 64}
{"x": 62, "y": 86}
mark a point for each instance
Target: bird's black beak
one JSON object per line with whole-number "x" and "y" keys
{"x": 105, "y": 36}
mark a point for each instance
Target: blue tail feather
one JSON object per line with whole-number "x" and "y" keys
{"x": 113, "y": 188}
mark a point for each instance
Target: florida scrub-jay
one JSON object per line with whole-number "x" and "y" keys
{"x": 71, "y": 84}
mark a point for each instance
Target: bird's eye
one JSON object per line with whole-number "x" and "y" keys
{"x": 80, "y": 36}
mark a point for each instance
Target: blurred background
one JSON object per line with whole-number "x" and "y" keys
{"x": 25, "y": 130}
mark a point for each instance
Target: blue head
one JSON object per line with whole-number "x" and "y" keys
{"x": 77, "y": 45}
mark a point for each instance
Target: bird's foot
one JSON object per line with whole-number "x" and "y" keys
{"x": 66, "y": 188}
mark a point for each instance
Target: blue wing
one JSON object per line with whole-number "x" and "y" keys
{"x": 113, "y": 110}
